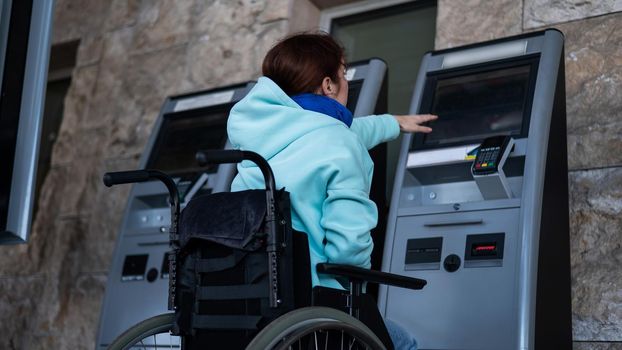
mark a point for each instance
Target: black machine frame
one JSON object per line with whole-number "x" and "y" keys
{"x": 432, "y": 78}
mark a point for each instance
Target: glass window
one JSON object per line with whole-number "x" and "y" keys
{"x": 400, "y": 35}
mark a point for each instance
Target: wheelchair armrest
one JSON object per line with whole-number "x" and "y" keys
{"x": 371, "y": 276}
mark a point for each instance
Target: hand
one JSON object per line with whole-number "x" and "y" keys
{"x": 410, "y": 123}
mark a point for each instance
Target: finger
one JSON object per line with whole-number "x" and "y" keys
{"x": 422, "y": 118}
{"x": 423, "y": 129}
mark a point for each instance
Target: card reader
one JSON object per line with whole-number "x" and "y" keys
{"x": 489, "y": 155}
{"x": 487, "y": 168}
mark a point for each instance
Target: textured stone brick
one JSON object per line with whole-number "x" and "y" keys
{"x": 78, "y": 143}
{"x": 540, "y": 13}
{"x": 226, "y": 16}
{"x": 162, "y": 24}
{"x": 105, "y": 218}
{"x": 90, "y": 50}
{"x": 593, "y": 84}
{"x": 21, "y": 298}
{"x": 596, "y": 254}
{"x": 142, "y": 88}
{"x": 464, "y": 22}
{"x": 33, "y": 258}
{"x": 123, "y": 13}
{"x": 76, "y": 101}
{"x": 274, "y": 10}
{"x": 74, "y": 19}
{"x": 70, "y": 318}
{"x": 232, "y": 56}
{"x": 596, "y": 346}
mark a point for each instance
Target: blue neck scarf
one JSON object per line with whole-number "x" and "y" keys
{"x": 324, "y": 105}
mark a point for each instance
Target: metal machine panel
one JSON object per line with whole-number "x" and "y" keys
{"x": 468, "y": 303}
{"x": 134, "y": 293}
{"x": 483, "y": 295}
{"x": 367, "y": 96}
{"x": 132, "y": 288}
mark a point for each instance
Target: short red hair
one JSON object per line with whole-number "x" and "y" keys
{"x": 299, "y": 63}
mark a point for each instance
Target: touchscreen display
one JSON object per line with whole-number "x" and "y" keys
{"x": 354, "y": 89}
{"x": 180, "y": 137}
{"x": 474, "y": 106}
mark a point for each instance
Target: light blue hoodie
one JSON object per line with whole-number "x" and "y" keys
{"x": 322, "y": 163}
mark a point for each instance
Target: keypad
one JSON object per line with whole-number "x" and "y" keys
{"x": 487, "y": 157}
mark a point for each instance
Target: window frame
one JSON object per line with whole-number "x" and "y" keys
{"x": 328, "y": 15}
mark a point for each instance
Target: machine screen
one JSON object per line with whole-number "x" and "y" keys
{"x": 181, "y": 136}
{"x": 476, "y": 104}
{"x": 354, "y": 89}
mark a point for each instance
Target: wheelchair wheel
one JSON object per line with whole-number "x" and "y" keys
{"x": 316, "y": 328}
{"x": 152, "y": 333}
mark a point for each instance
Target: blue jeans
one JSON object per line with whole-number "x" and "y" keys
{"x": 402, "y": 339}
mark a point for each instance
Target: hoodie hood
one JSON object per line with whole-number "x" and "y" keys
{"x": 267, "y": 120}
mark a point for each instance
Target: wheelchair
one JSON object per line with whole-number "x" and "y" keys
{"x": 239, "y": 276}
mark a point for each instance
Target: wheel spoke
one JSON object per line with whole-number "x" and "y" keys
{"x": 315, "y": 335}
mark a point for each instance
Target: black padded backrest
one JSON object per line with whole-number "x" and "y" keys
{"x": 222, "y": 275}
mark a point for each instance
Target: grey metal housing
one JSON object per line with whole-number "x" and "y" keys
{"x": 131, "y": 297}
{"x": 520, "y": 299}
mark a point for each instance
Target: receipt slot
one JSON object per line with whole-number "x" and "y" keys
{"x": 480, "y": 205}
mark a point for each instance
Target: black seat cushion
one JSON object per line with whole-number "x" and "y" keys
{"x": 233, "y": 219}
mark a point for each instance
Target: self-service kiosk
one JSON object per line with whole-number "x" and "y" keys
{"x": 480, "y": 205}
{"x": 138, "y": 280}
{"x": 367, "y": 95}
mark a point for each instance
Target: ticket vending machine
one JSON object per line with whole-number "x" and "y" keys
{"x": 138, "y": 280}
{"x": 367, "y": 95}
{"x": 480, "y": 205}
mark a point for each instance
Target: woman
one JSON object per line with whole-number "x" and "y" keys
{"x": 296, "y": 118}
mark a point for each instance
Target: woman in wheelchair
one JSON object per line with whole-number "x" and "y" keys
{"x": 293, "y": 132}
{"x": 295, "y": 117}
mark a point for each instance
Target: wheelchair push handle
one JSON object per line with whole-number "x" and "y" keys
{"x": 219, "y": 156}
{"x": 125, "y": 177}
{"x": 133, "y": 176}
{"x": 235, "y": 156}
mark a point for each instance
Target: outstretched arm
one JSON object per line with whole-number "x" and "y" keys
{"x": 376, "y": 129}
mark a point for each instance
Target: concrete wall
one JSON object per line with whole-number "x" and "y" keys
{"x": 134, "y": 53}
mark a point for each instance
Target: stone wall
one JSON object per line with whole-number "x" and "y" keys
{"x": 593, "y": 49}
{"x": 134, "y": 53}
